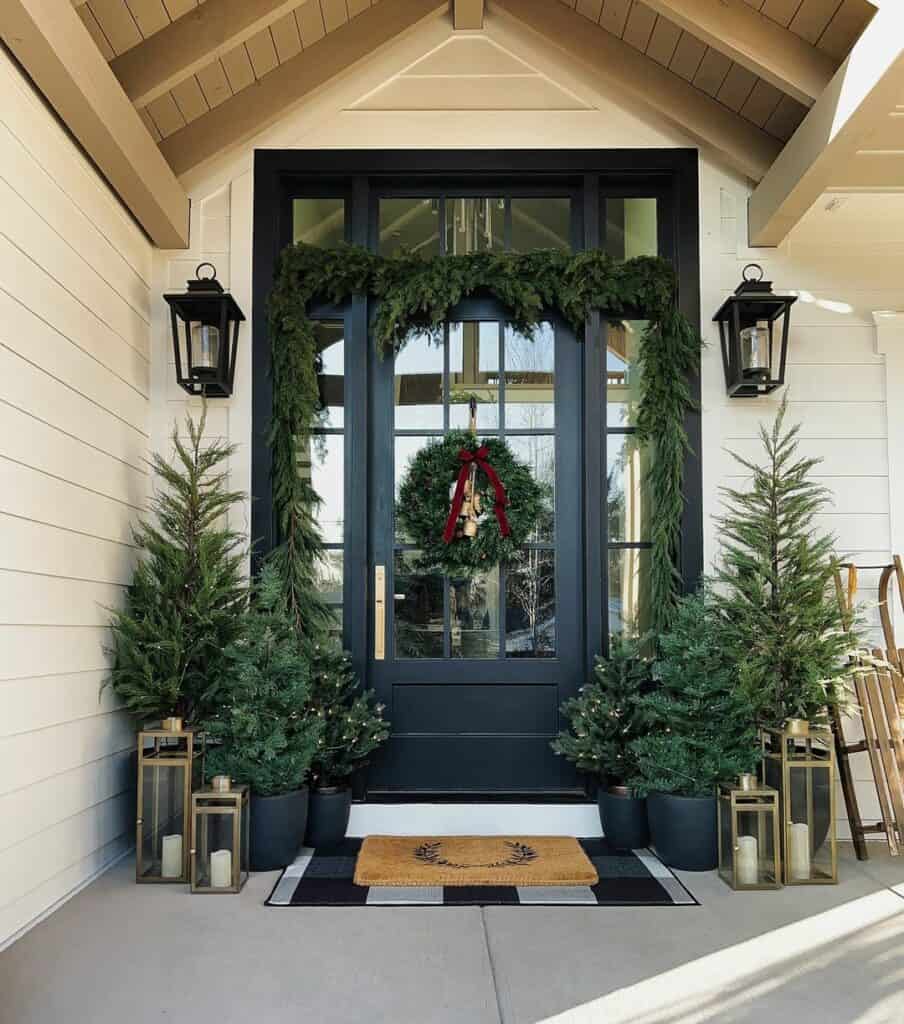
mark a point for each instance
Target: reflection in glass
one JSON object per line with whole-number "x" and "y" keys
{"x": 474, "y": 225}
{"x": 474, "y": 615}
{"x": 474, "y": 372}
{"x": 629, "y": 602}
{"x": 538, "y": 452}
{"x": 418, "y": 599}
{"x": 541, "y": 224}
{"x": 328, "y": 576}
{"x": 318, "y": 222}
{"x": 406, "y": 447}
{"x": 623, "y": 372}
{"x": 330, "y": 339}
{"x": 323, "y": 466}
{"x": 629, "y": 228}
{"x": 409, "y": 224}
{"x": 626, "y": 471}
{"x": 530, "y": 606}
{"x": 530, "y": 379}
{"x": 419, "y": 385}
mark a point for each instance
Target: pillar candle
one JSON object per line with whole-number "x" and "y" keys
{"x": 221, "y": 869}
{"x": 171, "y": 866}
{"x": 800, "y": 850}
{"x": 747, "y": 867}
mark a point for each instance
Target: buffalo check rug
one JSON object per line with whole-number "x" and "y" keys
{"x": 324, "y": 877}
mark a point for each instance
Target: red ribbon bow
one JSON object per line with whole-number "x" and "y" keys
{"x": 480, "y": 457}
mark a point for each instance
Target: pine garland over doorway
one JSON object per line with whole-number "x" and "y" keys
{"x": 416, "y": 294}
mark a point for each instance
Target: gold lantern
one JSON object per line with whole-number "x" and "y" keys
{"x": 170, "y": 765}
{"x": 219, "y": 837}
{"x": 799, "y": 761}
{"x": 749, "y": 835}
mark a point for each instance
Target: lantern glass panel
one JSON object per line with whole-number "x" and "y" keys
{"x": 756, "y": 349}
{"x": 802, "y": 768}
{"x": 169, "y": 767}
{"x": 220, "y": 840}
{"x": 755, "y": 842}
{"x": 204, "y": 349}
{"x": 163, "y": 837}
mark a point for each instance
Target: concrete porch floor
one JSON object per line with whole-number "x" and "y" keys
{"x": 120, "y": 952}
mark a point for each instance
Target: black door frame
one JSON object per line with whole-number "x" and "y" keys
{"x": 357, "y": 175}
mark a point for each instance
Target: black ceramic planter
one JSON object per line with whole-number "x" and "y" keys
{"x": 683, "y": 830}
{"x": 328, "y": 816}
{"x": 277, "y": 828}
{"x": 623, "y": 818}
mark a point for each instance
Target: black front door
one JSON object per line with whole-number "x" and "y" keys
{"x": 472, "y": 670}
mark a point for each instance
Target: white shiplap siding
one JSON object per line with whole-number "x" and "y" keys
{"x": 75, "y": 312}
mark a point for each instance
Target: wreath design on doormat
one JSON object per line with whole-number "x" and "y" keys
{"x": 460, "y": 532}
{"x": 519, "y": 855}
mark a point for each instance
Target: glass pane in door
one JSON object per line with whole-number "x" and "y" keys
{"x": 509, "y": 611}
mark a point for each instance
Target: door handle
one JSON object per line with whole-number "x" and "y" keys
{"x": 379, "y": 612}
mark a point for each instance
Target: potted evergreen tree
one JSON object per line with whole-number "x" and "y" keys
{"x": 185, "y": 602}
{"x": 779, "y": 616}
{"x": 352, "y": 728}
{"x": 701, "y": 731}
{"x": 605, "y": 718}
{"x": 260, "y": 734}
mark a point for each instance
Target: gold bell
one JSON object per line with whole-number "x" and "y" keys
{"x": 470, "y": 528}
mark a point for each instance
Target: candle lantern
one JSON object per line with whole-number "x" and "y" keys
{"x": 170, "y": 761}
{"x": 799, "y": 761}
{"x": 220, "y": 844}
{"x": 753, "y": 329}
{"x": 749, "y": 835}
{"x": 205, "y": 347}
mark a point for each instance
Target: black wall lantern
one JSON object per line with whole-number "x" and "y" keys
{"x": 206, "y": 345}
{"x": 753, "y": 325}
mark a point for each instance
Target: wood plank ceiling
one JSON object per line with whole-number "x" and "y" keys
{"x": 831, "y": 26}
{"x": 117, "y": 26}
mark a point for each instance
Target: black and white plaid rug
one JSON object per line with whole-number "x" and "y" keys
{"x": 627, "y": 878}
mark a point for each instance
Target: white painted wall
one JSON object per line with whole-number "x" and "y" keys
{"x": 844, "y": 263}
{"x": 74, "y": 411}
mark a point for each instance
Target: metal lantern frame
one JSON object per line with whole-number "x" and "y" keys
{"x": 205, "y": 303}
{"x": 802, "y": 751}
{"x": 169, "y": 748}
{"x": 737, "y": 799}
{"x": 752, "y": 302}
{"x": 234, "y": 803}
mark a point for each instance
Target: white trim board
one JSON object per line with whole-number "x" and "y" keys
{"x": 449, "y": 819}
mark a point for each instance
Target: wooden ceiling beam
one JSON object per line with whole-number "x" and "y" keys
{"x": 822, "y": 154}
{"x": 251, "y": 110}
{"x": 191, "y": 42}
{"x": 467, "y": 14}
{"x": 49, "y": 40}
{"x": 609, "y": 59}
{"x": 755, "y": 42}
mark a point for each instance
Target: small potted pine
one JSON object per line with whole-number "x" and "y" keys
{"x": 259, "y": 734}
{"x": 605, "y": 718}
{"x": 700, "y": 731}
{"x": 352, "y": 728}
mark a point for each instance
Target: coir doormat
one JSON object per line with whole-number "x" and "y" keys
{"x": 473, "y": 860}
{"x": 325, "y": 877}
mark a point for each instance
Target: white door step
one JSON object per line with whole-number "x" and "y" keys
{"x": 451, "y": 819}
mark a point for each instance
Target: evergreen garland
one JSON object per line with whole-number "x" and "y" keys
{"x": 184, "y": 605}
{"x": 416, "y": 294}
{"x": 423, "y": 505}
{"x": 779, "y": 614}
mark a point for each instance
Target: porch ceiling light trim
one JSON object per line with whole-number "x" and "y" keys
{"x": 205, "y": 325}
{"x": 753, "y": 329}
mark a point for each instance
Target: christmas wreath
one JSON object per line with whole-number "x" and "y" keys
{"x": 469, "y": 503}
